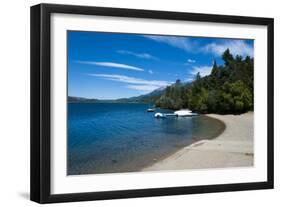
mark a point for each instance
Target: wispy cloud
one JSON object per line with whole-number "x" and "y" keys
{"x": 134, "y": 83}
{"x": 147, "y": 88}
{"x": 150, "y": 71}
{"x": 183, "y": 43}
{"x": 138, "y": 55}
{"x": 111, "y": 64}
{"x": 203, "y": 70}
{"x": 191, "y": 61}
{"x": 236, "y": 47}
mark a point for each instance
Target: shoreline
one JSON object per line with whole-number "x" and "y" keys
{"x": 232, "y": 148}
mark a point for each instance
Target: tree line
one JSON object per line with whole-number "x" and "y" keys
{"x": 228, "y": 89}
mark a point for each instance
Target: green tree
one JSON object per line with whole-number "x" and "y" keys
{"x": 227, "y": 57}
{"x": 228, "y": 89}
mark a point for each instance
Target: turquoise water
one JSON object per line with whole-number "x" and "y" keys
{"x": 113, "y": 138}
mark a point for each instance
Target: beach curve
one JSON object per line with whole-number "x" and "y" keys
{"x": 232, "y": 148}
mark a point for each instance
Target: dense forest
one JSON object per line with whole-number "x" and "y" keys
{"x": 228, "y": 89}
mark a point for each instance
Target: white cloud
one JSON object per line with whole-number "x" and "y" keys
{"x": 150, "y": 71}
{"x": 147, "y": 88}
{"x": 111, "y": 64}
{"x": 203, "y": 70}
{"x": 135, "y": 83}
{"x": 183, "y": 43}
{"x": 191, "y": 61}
{"x": 139, "y": 55}
{"x": 236, "y": 47}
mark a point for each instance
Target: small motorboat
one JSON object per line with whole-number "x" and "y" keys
{"x": 185, "y": 112}
{"x": 159, "y": 115}
{"x": 150, "y": 110}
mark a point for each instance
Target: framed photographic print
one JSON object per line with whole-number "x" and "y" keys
{"x": 132, "y": 103}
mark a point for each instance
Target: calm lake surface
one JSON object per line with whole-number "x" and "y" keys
{"x": 113, "y": 137}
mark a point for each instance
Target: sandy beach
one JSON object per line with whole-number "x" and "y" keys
{"x": 232, "y": 148}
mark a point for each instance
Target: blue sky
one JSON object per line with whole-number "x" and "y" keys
{"x": 112, "y": 65}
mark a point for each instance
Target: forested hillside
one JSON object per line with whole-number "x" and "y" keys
{"x": 228, "y": 89}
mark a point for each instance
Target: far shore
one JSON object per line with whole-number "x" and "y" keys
{"x": 232, "y": 148}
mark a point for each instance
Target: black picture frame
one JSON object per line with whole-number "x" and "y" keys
{"x": 41, "y": 95}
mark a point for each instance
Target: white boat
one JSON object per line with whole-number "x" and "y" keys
{"x": 159, "y": 115}
{"x": 185, "y": 112}
{"x": 150, "y": 110}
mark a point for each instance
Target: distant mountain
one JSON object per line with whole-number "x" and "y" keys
{"x": 73, "y": 99}
{"x": 147, "y": 98}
